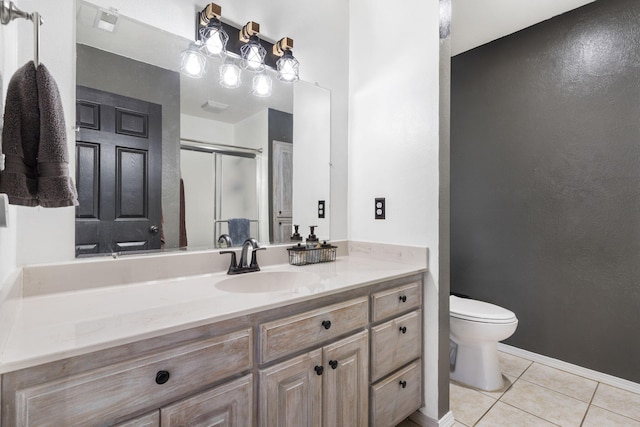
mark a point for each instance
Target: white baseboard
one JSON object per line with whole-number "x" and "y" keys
{"x": 572, "y": 369}
{"x": 424, "y": 421}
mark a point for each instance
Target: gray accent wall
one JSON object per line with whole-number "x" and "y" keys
{"x": 545, "y": 184}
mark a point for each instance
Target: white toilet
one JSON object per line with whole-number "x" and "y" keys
{"x": 476, "y": 327}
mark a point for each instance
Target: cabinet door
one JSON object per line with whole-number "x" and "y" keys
{"x": 345, "y": 389}
{"x": 228, "y": 405}
{"x": 291, "y": 392}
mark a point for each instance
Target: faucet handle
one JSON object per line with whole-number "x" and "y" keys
{"x": 254, "y": 260}
{"x": 234, "y": 263}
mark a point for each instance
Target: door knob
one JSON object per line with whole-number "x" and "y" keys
{"x": 154, "y": 229}
{"x": 333, "y": 364}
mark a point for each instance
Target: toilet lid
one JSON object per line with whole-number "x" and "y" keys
{"x": 479, "y": 311}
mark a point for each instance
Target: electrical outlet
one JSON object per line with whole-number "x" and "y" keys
{"x": 321, "y": 208}
{"x": 380, "y": 208}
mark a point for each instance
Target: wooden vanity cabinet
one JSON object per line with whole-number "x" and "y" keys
{"x": 349, "y": 359}
{"x": 327, "y": 386}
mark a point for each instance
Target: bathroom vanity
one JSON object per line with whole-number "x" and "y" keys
{"x": 345, "y": 350}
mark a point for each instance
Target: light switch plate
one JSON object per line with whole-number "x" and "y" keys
{"x": 4, "y": 210}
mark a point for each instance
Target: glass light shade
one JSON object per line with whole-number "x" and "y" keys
{"x": 261, "y": 85}
{"x": 193, "y": 63}
{"x": 287, "y": 67}
{"x": 230, "y": 74}
{"x": 253, "y": 55}
{"x": 215, "y": 38}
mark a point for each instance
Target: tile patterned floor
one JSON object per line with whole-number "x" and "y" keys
{"x": 538, "y": 395}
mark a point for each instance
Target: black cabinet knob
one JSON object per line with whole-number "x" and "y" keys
{"x": 333, "y": 364}
{"x": 403, "y": 298}
{"x": 326, "y": 324}
{"x": 403, "y": 329}
{"x": 162, "y": 377}
{"x": 319, "y": 370}
{"x": 403, "y": 384}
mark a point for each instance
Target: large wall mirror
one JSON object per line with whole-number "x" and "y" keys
{"x": 168, "y": 161}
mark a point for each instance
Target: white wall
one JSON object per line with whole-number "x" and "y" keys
{"x": 48, "y": 235}
{"x": 393, "y": 139}
{"x": 8, "y": 66}
{"x": 204, "y": 130}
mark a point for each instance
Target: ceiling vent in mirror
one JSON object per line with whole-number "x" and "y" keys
{"x": 107, "y": 20}
{"x": 214, "y": 107}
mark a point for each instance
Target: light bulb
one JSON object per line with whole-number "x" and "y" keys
{"x": 288, "y": 67}
{"x": 193, "y": 66}
{"x": 215, "y": 38}
{"x": 253, "y": 58}
{"x": 253, "y": 55}
{"x": 230, "y": 75}
{"x": 261, "y": 85}
{"x": 193, "y": 62}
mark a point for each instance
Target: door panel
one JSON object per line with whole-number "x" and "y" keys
{"x": 119, "y": 167}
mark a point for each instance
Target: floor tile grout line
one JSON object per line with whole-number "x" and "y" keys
{"x": 533, "y": 415}
{"x": 557, "y": 391}
{"x": 590, "y": 403}
{"x": 485, "y": 412}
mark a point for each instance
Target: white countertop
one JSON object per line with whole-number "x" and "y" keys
{"x": 53, "y": 326}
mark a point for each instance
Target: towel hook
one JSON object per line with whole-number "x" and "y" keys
{"x": 10, "y": 11}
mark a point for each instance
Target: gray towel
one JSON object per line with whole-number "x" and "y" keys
{"x": 34, "y": 141}
{"x": 20, "y": 137}
{"x": 55, "y": 187}
{"x": 239, "y": 230}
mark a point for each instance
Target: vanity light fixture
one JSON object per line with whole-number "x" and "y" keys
{"x": 193, "y": 63}
{"x": 212, "y": 35}
{"x": 230, "y": 74}
{"x": 252, "y": 53}
{"x": 287, "y": 65}
{"x": 261, "y": 85}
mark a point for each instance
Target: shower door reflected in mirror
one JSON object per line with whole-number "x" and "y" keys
{"x": 220, "y": 187}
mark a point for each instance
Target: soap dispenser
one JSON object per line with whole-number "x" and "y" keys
{"x": 312, "y": 240}
{"x": 296, "y": 237}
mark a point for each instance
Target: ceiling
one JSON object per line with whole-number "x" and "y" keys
{"x": 476, "y": 22}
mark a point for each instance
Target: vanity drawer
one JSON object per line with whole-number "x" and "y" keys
{"x": 395, "y": 398}
{"x": 294, "y": 333}
{"x": 395, "y": 343}
{"x": 388, "y": 303}
{"x": 105, "y": 395}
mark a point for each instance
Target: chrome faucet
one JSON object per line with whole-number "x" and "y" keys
{"x": 249, "y": 243}
{"x": 224, "y": 239}
{"x": 244, "y": 266}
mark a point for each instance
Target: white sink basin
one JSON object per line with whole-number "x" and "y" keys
{"x": 269, "y": 281}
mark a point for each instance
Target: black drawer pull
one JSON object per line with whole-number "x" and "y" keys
{"x": 403, "y": 384}
{"x": 326, "y": 324}
{"x": 403, "y": 329}
{"x": 333, "y": 364}
{"x": 162, "y": 377}
{"x": 319, "y": 370}
{"x": 403, "y": 298}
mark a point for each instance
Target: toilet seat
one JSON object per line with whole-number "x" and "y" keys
{"x": 479, "y": 311}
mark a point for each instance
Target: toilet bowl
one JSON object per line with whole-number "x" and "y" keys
{"x": 476, "y": 327}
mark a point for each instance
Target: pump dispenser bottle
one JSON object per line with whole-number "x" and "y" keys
{"x": 312, "y": 240}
